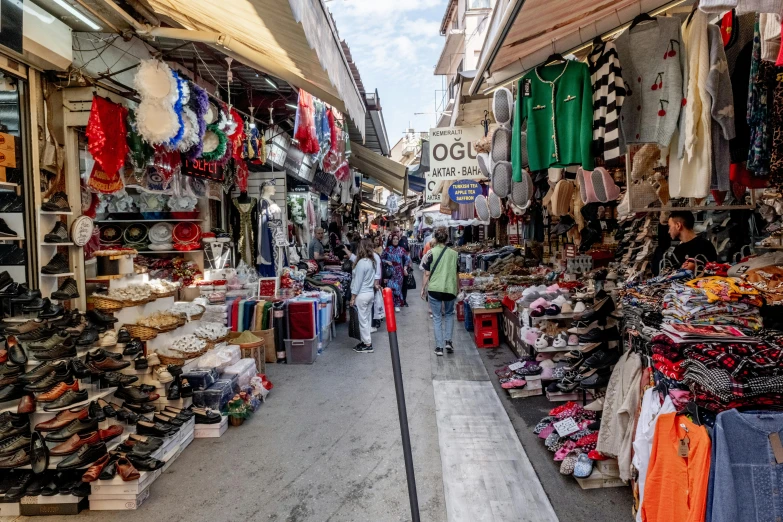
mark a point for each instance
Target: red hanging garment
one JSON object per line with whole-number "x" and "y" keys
{"x": 106, "y": 135}
{"x": 305, "y": 131}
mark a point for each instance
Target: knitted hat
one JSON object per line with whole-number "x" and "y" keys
{"x": 717, "y": 6}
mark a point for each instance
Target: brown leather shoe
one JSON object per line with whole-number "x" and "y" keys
{"x": 126, "y": 470}
{"x": 58, "y": 390}
{"x": 73, "y": 444}
{"x": 107, "y": 364}
{"x": 3, "y": 356}
{"x": 94, "y": 471}
{"x": 63, "y": 419}
{"x": 113, "y": 431}
{"x": 26, "y": 404}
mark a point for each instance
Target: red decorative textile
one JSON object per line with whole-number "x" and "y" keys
{"x": 167, "y": 162}
{"x": 103, "y": 182}
{"x": 301, "y": 320}
{"x": 106, "y": 135}
{"x": 305, "y": 130}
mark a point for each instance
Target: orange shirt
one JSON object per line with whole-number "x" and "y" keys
{"x": 427, "y": 248}
{"x": 676, "y": 487}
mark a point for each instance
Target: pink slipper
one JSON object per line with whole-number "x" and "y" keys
{"x": 513, "y": 384}
{"x": 546, "y": 432}
{"x": 563, "y": 452}
{"x": 539, "y": 303}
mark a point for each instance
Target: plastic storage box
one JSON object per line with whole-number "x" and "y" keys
{"x": 301, "y": 351}
{"x": 201, "y": 379}
{"x": 216, "y": 397}
{"x": 244, "y": 370}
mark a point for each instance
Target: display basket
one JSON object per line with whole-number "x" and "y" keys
{"x": 106, "y": 304}
{"x": 144, "y": 333}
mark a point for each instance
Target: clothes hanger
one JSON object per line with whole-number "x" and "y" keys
{"x": 692, "y": 412}
{"x": 553, "y": 59}
{"x": 644, "y": 17}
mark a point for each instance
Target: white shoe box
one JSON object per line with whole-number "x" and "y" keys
{"x": 117, "y": 486}
{"x": 181, "y": 403}
{"x": 187, "y": 440}
{"x": 118, "y": 502}
{"x": 208, "y": 431}
{"x": 9, "y": 509}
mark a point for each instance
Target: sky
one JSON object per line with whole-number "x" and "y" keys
{"x": 395, "y": 44}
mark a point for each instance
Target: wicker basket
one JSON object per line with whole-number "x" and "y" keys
{"x": 191, "y": 355}
{"x": 171, "y": 360}
{"x": 159, "y": 295}
{"x": 169, "y": 328}
{"x": 145, "y": 333}
{"x": 211, "y": 344}
{"x": 105, "y": 304}
{"x": 129, "y": 304}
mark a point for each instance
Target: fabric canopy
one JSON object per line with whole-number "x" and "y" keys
{"x": 385, "y": 171}
{"x": 526, "y": 32}
{"x": 293, "y": 40}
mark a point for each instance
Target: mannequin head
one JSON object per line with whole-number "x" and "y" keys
{"x": 268, "y": 189}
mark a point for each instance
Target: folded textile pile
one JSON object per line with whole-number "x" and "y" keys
{"x": 725, "y": 375}
{"x": 715, "y": 302}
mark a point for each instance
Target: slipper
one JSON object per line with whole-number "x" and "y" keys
{"x": 573, "y": 340}
{"x": 542, "y": 343}
{"x": 513, "y": 383}
{"x": 552, "y": 309}
{"x": 564, "y": 451}
{"x": 544, "y": 433}
{"x": 482, "y": 209}
{"x": 566, "y": 308}
{"x": 537, "y": 311}
{"x": 567, "y": 466}
{"x": 539, "y": 303}
{"x": 560, "y": 341}
{"x": 595, "y": 455}
{"x": 495, "y": 205}
{"x": 557, "y": 410}
{"x": 541, "y": 357}
{"x": 543, "y": 423}
{"x": 583, "y": 467}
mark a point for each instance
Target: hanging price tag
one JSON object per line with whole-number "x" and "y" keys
{"x": 515, "y": 366}
{"x": 682, "y": 448}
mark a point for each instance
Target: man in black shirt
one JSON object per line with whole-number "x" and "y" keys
{"x": 691, "y": 246}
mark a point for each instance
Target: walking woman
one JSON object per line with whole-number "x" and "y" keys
{"x": 363, "y": 292}
{"x": 440, "y": 287}
{"x": 397, "y": 257}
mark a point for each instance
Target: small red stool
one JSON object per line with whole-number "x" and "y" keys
{"x": 485, "y": 330}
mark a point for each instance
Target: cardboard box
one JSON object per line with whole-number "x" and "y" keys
{"x": 116, "y": 486}
{"x": 32, "y": 510}
{"x": 210, "y": 431}
{"x": 9, "y": 509}
{"x": 118, "y": 502}
{"x": 599, "y": 480}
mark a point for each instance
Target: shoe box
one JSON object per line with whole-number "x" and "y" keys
{"x": 112, "y": 502}
{"x": 533, "y": 387}
{"x": 9, "y": 509}
{"x": 55, "y": 505}
{"x": 608, "y": 467}
{"x": 599, "y": 480}
{"x": 116, "y": 487}
{"x": 208, "y": 431}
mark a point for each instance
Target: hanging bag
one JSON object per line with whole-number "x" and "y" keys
{"x": 410, "y": 281}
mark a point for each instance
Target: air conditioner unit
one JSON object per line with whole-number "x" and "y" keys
{"x": 46, "y": 41}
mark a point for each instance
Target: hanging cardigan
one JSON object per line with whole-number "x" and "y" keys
{"x": 622, "y": 398}
{"x": 606, "y": 76}
{"x": 723, "y": 128}
{"x": 691, "y": 177}
{"x": 655, "y": 73}
{"x": 559, "y": 115}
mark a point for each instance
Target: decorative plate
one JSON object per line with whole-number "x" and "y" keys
{"x": 109, "y": 234}
{"x": 161, "y": 233}
{"x": 136, "y": 233}
{"x": 186, "y": 232}
{"x": 81, "y": 230}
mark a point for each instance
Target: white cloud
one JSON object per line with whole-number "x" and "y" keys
{"x": 395, "y": 44}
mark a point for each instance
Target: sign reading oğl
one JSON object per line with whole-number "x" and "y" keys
{"x": 452, "y": 157}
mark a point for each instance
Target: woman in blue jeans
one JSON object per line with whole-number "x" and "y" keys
{"x": 440, "y": 286}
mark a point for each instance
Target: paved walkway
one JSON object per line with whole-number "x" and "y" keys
{"x": 325, "y": 447}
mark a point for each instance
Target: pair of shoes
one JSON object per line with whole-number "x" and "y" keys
{"x": 438, "y": 351}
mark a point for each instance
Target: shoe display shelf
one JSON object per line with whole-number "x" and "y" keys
{"x": 15, "y": 221}
{"x": 49, "y": 283}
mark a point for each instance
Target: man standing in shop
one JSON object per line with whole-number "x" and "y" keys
{"x": 315, "y": 250}
{"x": 692, "y": 247}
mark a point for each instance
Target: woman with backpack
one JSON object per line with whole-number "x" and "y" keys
{"x": 440, "y": 288}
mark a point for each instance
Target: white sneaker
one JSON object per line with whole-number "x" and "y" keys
{"x": 396, "y": 308}
{"x": 108, "y": 338}
{"x": 373, "y": 330}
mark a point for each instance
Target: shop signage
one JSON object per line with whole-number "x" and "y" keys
{"x": 203, "y": 169}
{"x": 298, "y": 164}
{"x": 277, "y": 144}
{"x": 81, "y": 230}
{"x": 323, "y": 182}
{"x": 464, "y": 191}
{"x": 452, "y": 157}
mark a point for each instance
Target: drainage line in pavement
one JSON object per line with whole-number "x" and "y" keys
{"x": 391, "y": 327}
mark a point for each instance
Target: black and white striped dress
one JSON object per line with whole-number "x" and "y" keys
{"x": 608, "y": 95}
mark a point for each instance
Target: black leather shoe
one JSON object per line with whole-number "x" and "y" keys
{"x": 156, "y": 429}
{"x": 101, "y": 353}
{"x": 36, "y": 335}
{"x": 76, "y": 427}
{"x": 67, "y": 290}
{"x": 39, "y": 453}
{"x": 59, "y": 234}
{"x": 10, "y": 374}
{"x": 12, "y": 392}
{"x": 16, "y": 354}
{"x": 86, "y": 455}
{"x": 88, "y": 336}
{"x": 139, "y": 408}
{"x": 145, "y": 463}
{"x": 116, "y": 379}
{"x": 123, "y": 336}
{"x": 35, "y": 486}
{"x": 595, "y": 381}
{"x": 173, "y": 392}
{"x": 17, "y": 490}
{"x": 204, "y": 416}
{"x": 603, "y": 359}
{"x": 26, "y": 296}
{"x": 185, "y": 389}
{"x": 51, "y": 311}
{"x": 163, "y": 419}
{"x": 98, "y": 317}
{"x": 68, "y": 398}
{"x": 140, "y": 363}
{"x": 132, "y": 394}
{"x": 60, "y": 371}
{"x": 15, "y": 428}
{"x": 96, "y": 412}
{"x": 58, "y": 264}
{"x": 80, "y": 370}
{"x": 133, "y": 347}
{"x": 61, "y": 351}
{"x": 109, "y": 471}
{"x": 14, "y": 444}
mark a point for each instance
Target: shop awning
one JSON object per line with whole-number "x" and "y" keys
{"x": 385, "y": 171}
{"x": 523, "y": 33}
{"x": 294, "y": 40}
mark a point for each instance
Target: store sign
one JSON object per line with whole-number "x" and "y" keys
{"x": 203, "y": 169}
{"x": 452, "y": 157}
{"x": 464, "y": 191}
{"x": 277, "y": 144}
{"x": 298, "y": 164}
{"x": 323, "y": 182}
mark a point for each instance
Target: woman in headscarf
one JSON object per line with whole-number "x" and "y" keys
{"x": 397, "y": 257}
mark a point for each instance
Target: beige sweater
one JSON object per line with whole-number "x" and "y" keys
{"x": 615, "y": 439}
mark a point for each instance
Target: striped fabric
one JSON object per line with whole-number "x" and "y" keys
{"x": 608, "y": 95}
